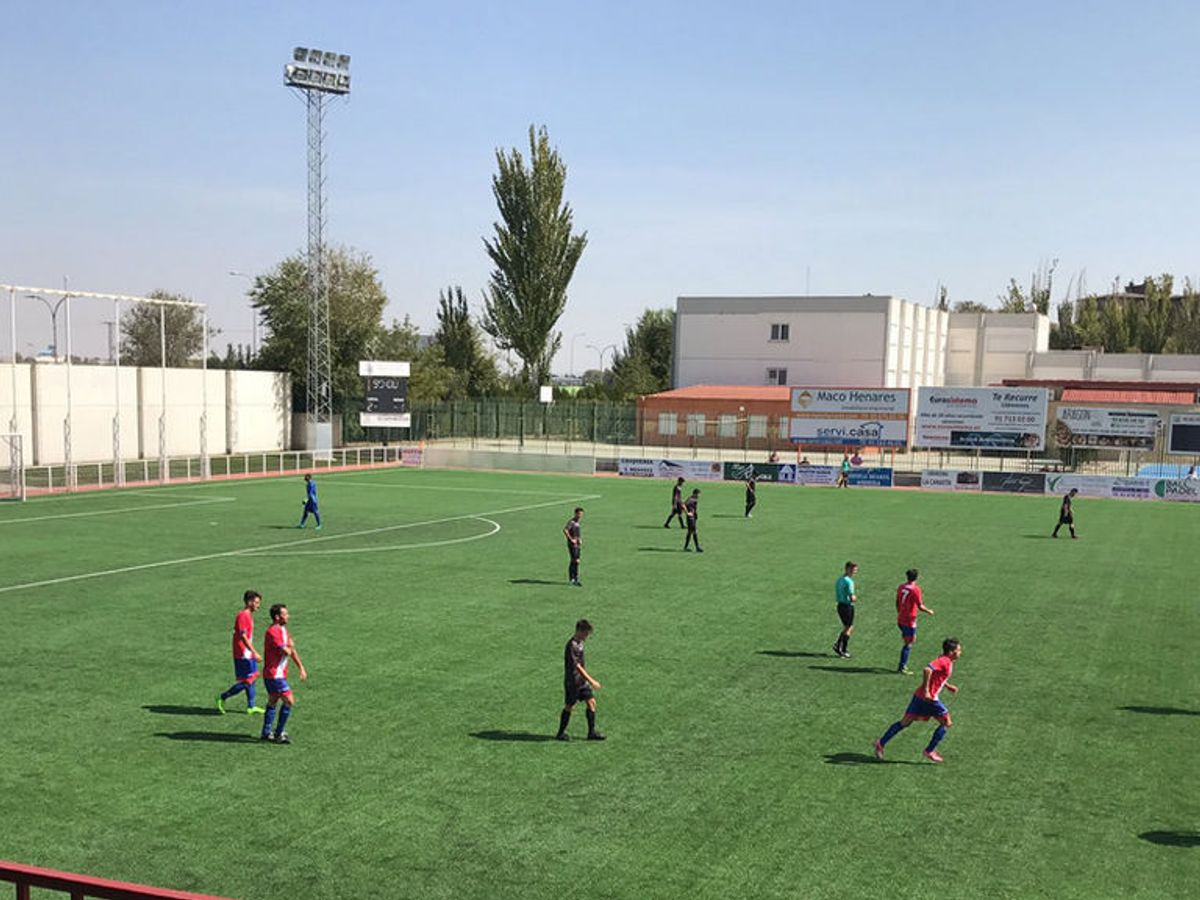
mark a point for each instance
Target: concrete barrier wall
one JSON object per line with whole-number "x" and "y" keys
{"x": 446, "y": 457}
{"x": 247, "y": 412}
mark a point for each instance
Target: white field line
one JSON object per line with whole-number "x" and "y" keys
{"x": 244, "y": 551}
{"x": 119, "y": 509}
{"x": 462, "y": 540}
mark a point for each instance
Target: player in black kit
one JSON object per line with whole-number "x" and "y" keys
{"x": 751, "y": 495}
{"x": 574, "y": 545}
{"x": 1065, "y": 515}
{"x": 692, "y": 509}
{"x": 578, "y": 684}
{"x": 676, "y": 504}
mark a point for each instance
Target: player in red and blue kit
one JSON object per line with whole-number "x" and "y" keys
{"x": 925, "y": 704}
{"x": 310, "y": 502}
{"x": 908, "y": 605}
{"x": 278, "y": 650}
{"x": 245, "y": 657}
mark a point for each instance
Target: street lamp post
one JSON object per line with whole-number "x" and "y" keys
{"x": 54, "y": 308}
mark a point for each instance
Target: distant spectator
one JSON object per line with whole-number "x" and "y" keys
{"x": 856, "y": 460}
{"x": 1191, "y": 475}
{"x": 773, "y": 458}
{"x": 804, "y": 461}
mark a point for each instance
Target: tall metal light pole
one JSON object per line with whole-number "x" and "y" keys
{"x": 54, "y": 308}
{"x": 318, "y": 75}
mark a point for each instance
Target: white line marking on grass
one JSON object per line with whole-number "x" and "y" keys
{"x": 119, "y": 509}
{"x": 246, "y": 551}
{"x": 463, "y": 540}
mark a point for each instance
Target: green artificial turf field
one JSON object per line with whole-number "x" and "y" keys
{"x": 431, "y": 612}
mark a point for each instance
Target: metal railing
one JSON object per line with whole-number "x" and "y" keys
{"x": 80, "y": 886}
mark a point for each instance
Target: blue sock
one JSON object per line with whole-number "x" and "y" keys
{"x": 285, "y": 713}
{"x": 250, "y": 694}
{"x": 894, "y": 730}
{"x": 268, "y": 718}
{"x": 236, "y": 689}
{"x": 904, "y": 655}
{"x": 936, "y": 739}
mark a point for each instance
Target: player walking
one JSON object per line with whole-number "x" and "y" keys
{"x": 279, "y": 650}
{"x": 908, "y": 605}
{"x": 692, "y": 510}
{"x": 245, "y": 657}
{"x": 676, "y": 504}
{"x": 925, "y": 704}
{"x": 578, "y": 684}
{"x": 846, "y": 598}
{"x": 1066, "y": 515}
{"x": 843, "y": 479}
{"x": 751, "y": 495}
{"x": 310, "y": 502}
{"x": 574, "y": 545}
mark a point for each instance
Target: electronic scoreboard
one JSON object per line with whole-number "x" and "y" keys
{"x": 385, "y": 388}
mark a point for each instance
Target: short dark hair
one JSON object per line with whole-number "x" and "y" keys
{"x": 912, "y": 574}
{"x": 679, "y": 480}
{"x": 850, "y": 564}
{"x": 695, "y": 491}
{"x": 579, "y": 509}
{"x": 250, "y": 595}
{"x": 583, "y": 626}
{"x": 275, "y": 610}
{"x": 307, "y": 476}
{"x": 949, "y": 645}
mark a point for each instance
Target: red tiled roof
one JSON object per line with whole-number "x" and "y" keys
{"x": 1109, "y": 395}
{"x": 728, "y": 392}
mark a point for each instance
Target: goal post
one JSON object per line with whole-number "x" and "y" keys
{"x": 12, "y": 467}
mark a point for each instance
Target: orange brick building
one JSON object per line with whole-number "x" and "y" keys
{"x": 734, "y": 416}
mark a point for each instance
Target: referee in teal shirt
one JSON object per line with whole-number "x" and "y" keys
{"x": 845, "y": 609}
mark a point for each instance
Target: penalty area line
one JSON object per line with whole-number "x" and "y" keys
{"x": 248, "y": 551}
{"x": 445, "y": 543}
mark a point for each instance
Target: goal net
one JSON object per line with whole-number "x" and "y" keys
{"x": 12, "y": 467}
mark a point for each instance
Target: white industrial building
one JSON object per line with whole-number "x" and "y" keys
{"x": 884, "y": 341}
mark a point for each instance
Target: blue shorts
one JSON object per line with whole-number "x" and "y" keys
{"x": 926, "y": 709}
{"x": 909, "y": 634}
{"x": 309, "y": 506}
{"x": 245, "y": 669}
{"x": 277, "y": 686}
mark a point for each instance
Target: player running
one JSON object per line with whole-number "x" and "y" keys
{"x": 310, "y": 502}
{"x": 925, "y": 704}
{"x": 279, "y": 650}
{"x": 1066, "y": 515}
{"x": 908, "y": 605}
{"x": 676, "y": 504}
{"x": 245, "y": 657}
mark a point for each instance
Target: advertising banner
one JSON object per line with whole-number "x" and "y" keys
{"x": 856, "y": 432}
{"x": 782, "y": 473}
{"x": 950, "y": 480}
{"x": 1105, "y": 486}
{"x": 999, "y": 418}
{"x": 1086, "y": 426}
{"x": 859, "y": 401}
{"x": 1183, "y": 434}
{"x": 691, "y": 469}
{"x": 1186, "y": 490}
{"x": 1015, "y": 482}
{"x": 816, "y": 474}
{"x": 410, "y": 456}
{"x": 871, "y": 477}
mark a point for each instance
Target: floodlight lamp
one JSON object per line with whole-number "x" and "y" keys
{"x": 343, "y": 61}
{"x": 300, "y": 54}
{"x": 329, "y": 59}
{"x": 314, "y": 56}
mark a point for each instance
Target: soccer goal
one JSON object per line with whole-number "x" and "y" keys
{"x": 12, "y": 467}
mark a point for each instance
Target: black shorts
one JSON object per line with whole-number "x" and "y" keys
{"x": 846, "y": 613}
{"x": 575, "y": 694}
{"x": 1066, "y": 520}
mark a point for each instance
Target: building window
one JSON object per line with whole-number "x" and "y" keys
{"x": 728, "y": 426}
{"x": 776, "y": 376}
{"x": 758, "y": 426}
{"x": 695, "y": 424}
{"x": 780, "y": 331}
{"x": 667, "y": 423}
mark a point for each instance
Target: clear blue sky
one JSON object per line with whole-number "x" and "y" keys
{"x": 712, "y": 147}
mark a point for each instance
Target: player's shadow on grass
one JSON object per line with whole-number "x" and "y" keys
{"x": 523, "y": 737}
{"x": 218, "y": 737}
{"x": 864, "y": 759}
{"x": 168, "y": 709}
{"x": 1039, "y": 536}
{"x": 726, "y": 516}
{"x": 794, "y": 654}
{"x": 1172, "y": 838}
{"x": 856, "y": 670}
{"x": 534, "y": 581}
{"x": 660, "y": 549}
{"x": 1161, "y": 710}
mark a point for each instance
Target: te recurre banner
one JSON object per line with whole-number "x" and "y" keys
{"x": 997, "y": 418}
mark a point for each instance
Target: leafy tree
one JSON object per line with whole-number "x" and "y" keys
{"x": 356, "y": 302}
{"x": 1185, "y": 328}
{"x": 462, "y": 346}
{"x": 1154, "y": 315}
{"x": 140, "y": 332}
{"x": 1013, "y": 300}
{"x": 644, "y": 366}
{"x": 534, "y": 253}
{"x": 971, "y": 306}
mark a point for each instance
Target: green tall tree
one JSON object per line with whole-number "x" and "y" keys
{"x": 971, "y": 306}
{"x": 462, "y": 348}
{"x": 535, "y": 254}
{"x": 356, "y": 302}
{"x": 141, "y": 343}
{"x": 644, "y": 366}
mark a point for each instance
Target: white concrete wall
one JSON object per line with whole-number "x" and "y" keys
{"x": 259, "y": 411}
{"x": 185, "y": 402}
{"x": 986, "y": 348}
{"x": 93, "y": 405}
{"x": 21, "y": 409}
{"x": 1091, "y": 365}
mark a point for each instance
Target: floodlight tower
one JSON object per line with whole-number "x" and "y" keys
{"x": 319, "y": 76}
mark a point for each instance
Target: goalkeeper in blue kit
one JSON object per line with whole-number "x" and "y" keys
{"x": 310, "y": 502}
